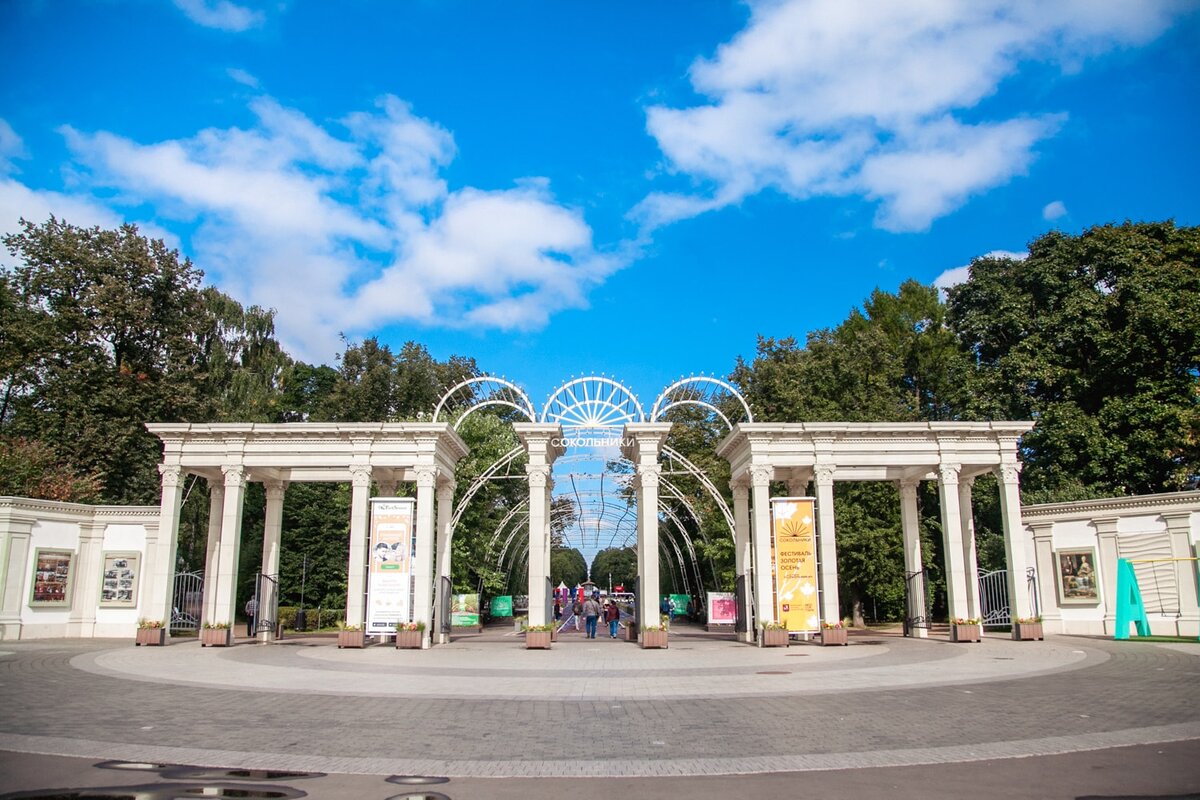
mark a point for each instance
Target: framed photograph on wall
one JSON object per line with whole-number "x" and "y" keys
{"x": 1078, "y": 581}
{"x": 52, "y": 577}
{"x": 119, "y": 581}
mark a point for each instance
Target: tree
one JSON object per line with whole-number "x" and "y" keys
{"x": 619, "y": 563}
{"x": 1097, "y": 338}
{"x": 567, "y": 565}
{"x": 32, "y": 469}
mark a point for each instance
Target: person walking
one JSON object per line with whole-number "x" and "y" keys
{"x": 612, "y": 615}
{"x": 251, "y": 614}
{"x": 577, "y": 610}
{"x": 591, "y": 612}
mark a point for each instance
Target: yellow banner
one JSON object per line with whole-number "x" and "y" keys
{"x": 794, "y": 563}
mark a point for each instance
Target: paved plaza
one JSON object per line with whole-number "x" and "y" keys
{"x": 484, "y": 708}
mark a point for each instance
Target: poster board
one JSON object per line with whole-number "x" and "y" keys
{"x": 794, "y": 563}
{"x": 502, "y": 606}
{"x": 1078, "y": 581}
{"x": 464, "y": 610}
{"x": 389, "y": 576}
{"x": 119, "y": 579}
{"x": 722, "y": 608}
{"x": 53, "y": 577}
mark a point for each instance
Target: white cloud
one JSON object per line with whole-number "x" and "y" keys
{"x": 1054, "y": 210}
{"x": 839, "y": 98}
{"x": 221, "y": 14}
{"x": 349, "y": 226}
{"x": 11, "y": 147}
{"x": 242, "y": 77}
{"x": 957, "y": 275}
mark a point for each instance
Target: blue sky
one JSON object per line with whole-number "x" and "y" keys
{"x": 634, "y": 188}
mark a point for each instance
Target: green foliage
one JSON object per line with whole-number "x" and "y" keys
{"x": 31, "y": 468}
{"x": 618, "y": 562}
{"x": 567, "y": 565}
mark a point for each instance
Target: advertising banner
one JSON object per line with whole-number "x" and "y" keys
{"x": 722, "y": 608}
{"x": 678, "y": 604}
{"x": 389, "y": 578}
{"x": 794, "y": 563}
{"x": 464, "y": 610}
{"x": 502, "y": 606}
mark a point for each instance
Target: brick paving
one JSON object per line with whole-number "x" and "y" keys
{"x": 483, "y": 706}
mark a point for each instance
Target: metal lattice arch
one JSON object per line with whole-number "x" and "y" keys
{"x": 479, "y": 392}
{"x": 592, "y": 402}
{"x": 705, "y": 392}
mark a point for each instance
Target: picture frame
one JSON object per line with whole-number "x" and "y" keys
{"x": 53, "y": 578}
{"x": 1078, "y": 577}
{"x": 120, "y": 578}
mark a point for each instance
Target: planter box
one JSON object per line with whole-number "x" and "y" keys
{"x": 834, "y": 636}
{"x": 554, "y": 633}
{"x": 1027, "y": 631}
{"x": 966, "y": 633}
{"x": 355, "y": 639}
{"x": 631, "y": 633}
{"x": 151, "y": 637}
{"x": 537, "y": 640}
{"x": 215, "y": 637}
{"x": 774, "y": 637}
{"x": 654, "y": 640}
{"x": 407, "y": 640}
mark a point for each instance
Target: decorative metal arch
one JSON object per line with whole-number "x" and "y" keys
{"x": 700, "y": 391}
{"x": 482, "y": 391}
{"x": 592, "y": 402}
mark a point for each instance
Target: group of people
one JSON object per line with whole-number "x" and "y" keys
{"x": 588, "y": 613}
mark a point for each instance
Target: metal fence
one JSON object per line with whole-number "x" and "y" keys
{"x": 187, "y": 601}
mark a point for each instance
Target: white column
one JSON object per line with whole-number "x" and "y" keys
{"x": 445, "y": 511}
{"x": 356, "y": 567}
{"x": 272, "y": 537}
{"x": 423, "y": 552}
{"x": 216, "y": 502}
{"x": 764, "y": 579}
{"x": 743, "y": 555}
{"x": 1014, "y": 541}
{"x": 648, "y": 478}
{"x": 970, "y": 560}
{"x": 82, "y": 620}
{"x": 229, "y": 550}
{"x": 539, "y": 477}
{"x": 16, "y": 533}
{"x": 1043, "y": 553}
{"x": 161, "y": 569}
{"x": 1106, "y": 536}
{"x": 952, "y": 542}
{"x": 827, "y": 544}
{"x": 1179, "y": 529}
{"x": 914, "y": 560}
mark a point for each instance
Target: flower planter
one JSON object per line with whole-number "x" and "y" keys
{"x": 774, "y": 637}
{"x": 966, "y": 633}
{"x": 654, "y": 640}
{"x": 354, "y": 639}
{"x": 631, "y": 633}
{"x": 537, "y": 640}
{"x": 151, "y": 637}
{"x": 406, "y": 640}
{"x": 554, "y": 634}
{"x": 834, "y": 636}
{"x": 215, "y": 637}
{"x": 1027, "y": 631}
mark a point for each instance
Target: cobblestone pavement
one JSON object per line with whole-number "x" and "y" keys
{"x": 483, "y": 706}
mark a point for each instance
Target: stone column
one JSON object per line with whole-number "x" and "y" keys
{"x": 1014, "y": 541}
{"x": 423, "y": 552}
{"x": 1179, "y": 530}
{"x": 356, "y": 569}
{"x": 272, "y": 539}
{"x": 82, "y": 620}
{"x": 914, "y": 560}
{"x": 539, "y": 479}
{"x": 161, "y": 567}
{"x": 16, "y": 532}
{"x": 216, "y": 502}
{"x": 445, "y": 511}
{"x": 743, "y": 555}
{"x": 648, "y": 478}
{"x": 229, "y": 550}
{"x": 831, "y": 610}
{"x": 952, "y": 542}
{"x": 764, "y": 579}
{"x": 1043, "y": 550}
{"x": 1106, "y": 535}
{"x": 970, "y": 560}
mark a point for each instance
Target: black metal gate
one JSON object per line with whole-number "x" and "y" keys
{"x": 444, "y": 599}
{"x": 740, "y": 624}
{"x": 266, "y": 597}
{"x": 915, "y": 586}
{"x": 187, "y": 601}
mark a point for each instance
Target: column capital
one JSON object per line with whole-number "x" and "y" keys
{"x": 649, "y": 475}
{"x": 172, "y": 475}
{"x": 235, "y": 476}
{"x": 274, "y": 489}
{"x": 1042, "y": 529}
{"x": 948, "y": 473}
{"x": 426, "y": 477}
{"x": 360, "y": 477}
{"x": 761, "y": 476}
{"x": 445, "y": 492}
{"x": 1009, "y": 473}
{"x": 823, "y": 475}
{"x": 908, "y": 488}
{"x": 1106, "y": 526}
{"x": 741, "y": 492}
